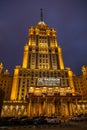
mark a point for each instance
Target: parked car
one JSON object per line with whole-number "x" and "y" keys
{"x": 53, "y": 120}
{"x": 78, "y": 118}
{"x": 39, "y": 120}
{"x": 26, "y": 121}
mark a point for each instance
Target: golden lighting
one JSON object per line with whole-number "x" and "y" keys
{"x": 6, "y": 107}
{"x": 37, "y": 91}
{"x": 25, "y": 58}
{"x": 44, "y": 89}
{"x": 31, "y": 89}
{"x": 60, "y": 58}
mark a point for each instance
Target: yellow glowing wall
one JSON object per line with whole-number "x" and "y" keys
{"x": 14, "y": 86}
{"x": 25, "y": 58}
{"x": 71, "y": 83}
{"x": 60, "y": 58}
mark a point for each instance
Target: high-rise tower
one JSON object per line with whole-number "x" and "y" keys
{"x": 42, "y": 50}
{"x": 42, "y": 70}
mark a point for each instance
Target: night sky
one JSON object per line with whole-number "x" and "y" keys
{"x": 68, "y": 17}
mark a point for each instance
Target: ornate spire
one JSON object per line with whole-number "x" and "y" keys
{"x": 41, "y": 15}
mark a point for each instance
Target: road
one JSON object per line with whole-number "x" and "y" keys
{"x": 70, "y": 126}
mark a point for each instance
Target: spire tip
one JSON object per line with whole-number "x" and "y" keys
{"x": 41, "y": 15}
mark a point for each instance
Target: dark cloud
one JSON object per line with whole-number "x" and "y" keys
{"x": 68, "y": 17}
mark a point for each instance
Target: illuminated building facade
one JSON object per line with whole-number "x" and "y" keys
{"x": 42, "y": 85}
{"x": 42, "y": 76}
{"x": 84, "y": 73}
{"x": 80, "y": 85}
{"x": 80, "y": 82}
{"x": 5, "y": 82}
{"x": 42, "y": 59}
{"x": 1, "y": 100}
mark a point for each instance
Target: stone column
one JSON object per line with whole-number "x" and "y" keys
{"x": 69, "y": 109}
{"x": 76, "y": 105}
{"x": 61, "y": 107}
{"x": 45, "y": 106}
{"x": 29, "y": 108}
